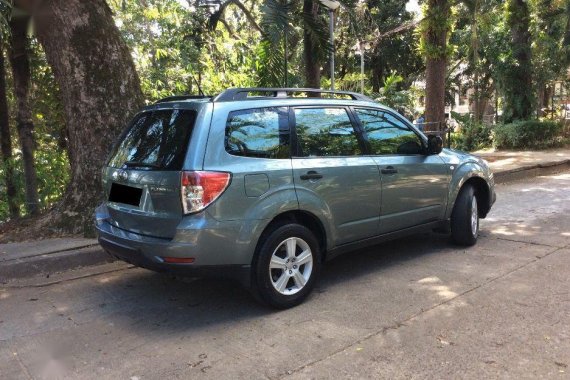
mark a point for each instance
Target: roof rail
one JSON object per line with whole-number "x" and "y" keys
{"x": 182, "y": 97}
{"x": 241, "y": 93}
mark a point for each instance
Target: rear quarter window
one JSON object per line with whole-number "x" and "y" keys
{"x": 258, "y": 133}
{"x": 155, "y": 140}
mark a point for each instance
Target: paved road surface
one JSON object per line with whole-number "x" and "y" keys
{"x": 415, "y": 308}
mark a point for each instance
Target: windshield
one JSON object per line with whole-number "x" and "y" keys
{"x": 156, "y": 140}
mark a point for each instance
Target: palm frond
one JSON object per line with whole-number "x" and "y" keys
{"x": 276, "y": 20}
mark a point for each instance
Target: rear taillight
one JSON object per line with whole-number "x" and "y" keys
{"x": 200, "y": 188}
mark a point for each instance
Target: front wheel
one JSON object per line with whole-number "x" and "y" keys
{"x": 465, "y": 217}
{"x": 287, "y": 265}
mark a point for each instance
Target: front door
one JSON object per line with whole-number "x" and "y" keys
{"x": 414, "y": 185}
{"x": 332, "y": 175}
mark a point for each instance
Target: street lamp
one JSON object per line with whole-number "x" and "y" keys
{"x": 332, "y": 6}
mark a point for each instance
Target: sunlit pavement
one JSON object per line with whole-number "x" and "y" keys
{"x": 415, "y": 308}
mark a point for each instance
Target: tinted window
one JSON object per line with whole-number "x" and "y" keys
{"x": 387, "y": 134}
{"x": 325, "y": 132}
{"x": 155, "y": 140}
{"x": 262, "y": 132}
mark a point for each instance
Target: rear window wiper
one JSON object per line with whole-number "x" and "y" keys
{"x": 131, "y": 164}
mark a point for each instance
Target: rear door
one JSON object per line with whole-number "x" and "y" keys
{"x": 142, "y": 179}
{"x": 414, "y": 185}
{"x": 331, "y": 173}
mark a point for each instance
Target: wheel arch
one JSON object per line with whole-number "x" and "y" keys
{"x": 304, "y": 218}
{"x": 473, "y": 174}
{"x": 482, "y": 193}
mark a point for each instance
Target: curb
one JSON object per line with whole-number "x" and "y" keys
{"x": 531, "y": 171}
{"x": 53, "y": 262}
{"x": 68, "y": 259}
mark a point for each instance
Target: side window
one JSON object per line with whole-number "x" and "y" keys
{"x": 325, "y": 132}
{"x": 386, "y": 134}
{"x": 261, "y": 133}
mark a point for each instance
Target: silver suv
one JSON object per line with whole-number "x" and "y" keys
{"x": 264, "y": 186}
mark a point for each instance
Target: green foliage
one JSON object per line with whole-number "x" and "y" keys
{"x": 176, "y": 51}
{"x": 372, "y": 23}
{"x": 530, "y": 134}
{"x": 52, "y": 167}
{"x": 51, "y": 161}
{"x": 471, "y": 136}
{"x": 392, "y": 96}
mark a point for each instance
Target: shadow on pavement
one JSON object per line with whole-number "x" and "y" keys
{"x": 155, "y": 303}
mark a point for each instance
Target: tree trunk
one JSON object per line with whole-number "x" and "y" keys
{"x": 6, "y": 141}
{"x": 20, "y": 63}
{"x": 312, "y": 61}
{"x": 100, "y": 92}
{"x": 377, "y": 73}
{"x": 435, "y": 36}
{"x": 518, "y": 89}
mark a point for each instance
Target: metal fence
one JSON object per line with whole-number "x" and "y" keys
{"x": 438, "y": 128}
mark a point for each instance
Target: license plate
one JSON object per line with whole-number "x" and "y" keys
{"x": 125, "y": 194}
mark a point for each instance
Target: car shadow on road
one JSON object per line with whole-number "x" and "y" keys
{"x": 154, "y": 303}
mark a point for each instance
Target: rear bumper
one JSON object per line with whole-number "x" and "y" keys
{"x": 136, "y": 257}
{"x": 213, "y": 247}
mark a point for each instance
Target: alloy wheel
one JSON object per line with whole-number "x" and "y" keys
{"x": 474, "y": 217}
{"x": 291, "y": 266}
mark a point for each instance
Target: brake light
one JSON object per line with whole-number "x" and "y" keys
{"x": 200, "y": 188}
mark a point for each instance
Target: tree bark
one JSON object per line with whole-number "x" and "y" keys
{"x": 20, "y": 63}
{"x": 312, "y": 61}
{"x": 6, "y": 141}
{"x": 100, "y": 91}
{"x": 377, "y": 73}
{"x": 519, "y": 98}
{"x": 435, "y": 36}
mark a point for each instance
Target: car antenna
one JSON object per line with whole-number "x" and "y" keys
{"x": 198, "y": 84}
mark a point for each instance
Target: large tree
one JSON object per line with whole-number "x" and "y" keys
{"x": 99, "y": 89}
{"x": 435, "y": 30}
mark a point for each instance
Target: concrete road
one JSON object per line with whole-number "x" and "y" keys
{"x": 414, "y": 308}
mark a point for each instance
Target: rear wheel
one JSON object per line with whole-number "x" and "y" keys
{"x": 287, "y": 266}
{"x": 465, "y": 217}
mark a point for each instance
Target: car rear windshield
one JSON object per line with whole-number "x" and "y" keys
{"x": 156, "y": 140}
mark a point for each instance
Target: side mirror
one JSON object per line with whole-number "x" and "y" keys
{"x": 435, "y": 144}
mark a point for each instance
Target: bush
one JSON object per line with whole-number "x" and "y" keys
{"x": 531, "y": 134}
{"x": 472, "y": 136}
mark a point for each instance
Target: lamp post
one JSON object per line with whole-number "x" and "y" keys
{"x": 360, "y": 48}
{"x": 332, "y": 6}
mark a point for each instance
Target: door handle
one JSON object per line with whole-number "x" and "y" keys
{"x": 311, "y": 174}
{"x": 389, "y": 170}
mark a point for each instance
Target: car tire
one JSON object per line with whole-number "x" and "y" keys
{"x": 465, "y": 217}
{"x": 286, "y": 266}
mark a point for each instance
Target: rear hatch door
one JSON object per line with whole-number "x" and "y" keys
{"x": 142, "y": 179}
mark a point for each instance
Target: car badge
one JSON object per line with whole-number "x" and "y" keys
{"x": 121, "y": 175}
